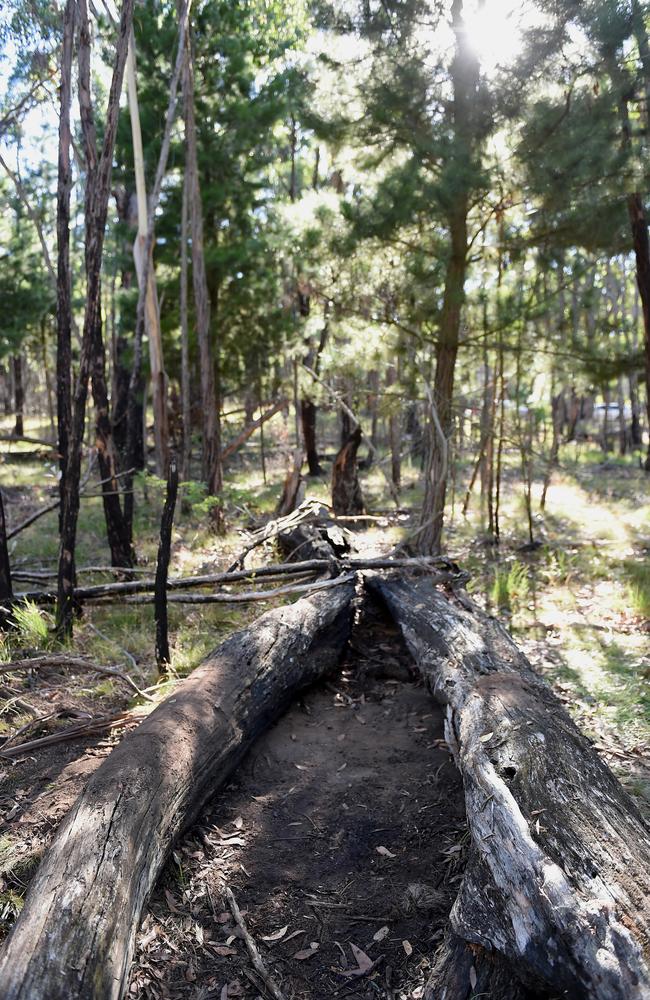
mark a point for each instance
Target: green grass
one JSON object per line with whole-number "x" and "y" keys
{"x": 637, "y": 575}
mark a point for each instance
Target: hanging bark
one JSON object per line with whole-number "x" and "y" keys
{"x": 75, "y": 935}
{"x": 211, "y": 463}
{"x": 97, "y": 193}
{"x": 346, "y": 490}
{"x": 558, "y": 871}
{"x": 163, "y": 658}
{"x": 19, "y": 395}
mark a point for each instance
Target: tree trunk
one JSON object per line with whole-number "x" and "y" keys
{"x": 558, "y": 869}
{"x": 163, "y": 658}
{"x": 151, "y": 310}
{"x": 97, "y": 193}
{"x": 186, "y": 406}
{"x": 6, "y": 592}
{"x": 308, "y": 421}
{"x": 75, "y": 935}
{"x": 212, "y": 469}
{"x": 346, "y": 490}
{"x": 394, "y": 432}
{"x": 19, "y": 395}
{"x": 641, "y": 243}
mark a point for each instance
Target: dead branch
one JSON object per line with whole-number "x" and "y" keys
{"x": 252, "y": 949}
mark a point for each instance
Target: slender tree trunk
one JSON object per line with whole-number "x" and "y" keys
{"x": 212, "y": 469}
{"x": 308, "y": 421}
{"x": 639, "y": 225}
{"x": 97, "y": 194}
{"x": 151, "y": 311}
{"x": 64, "y": 279}
{"x": 6, "y": 592}
{"x": 48, "y": 378}
{"x": 19, "y": 394}
{"x": 186, "y": 407}
{"x": 163, "y": 658}
{"x": 394, "y": 431}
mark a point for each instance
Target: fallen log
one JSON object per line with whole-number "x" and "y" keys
{"x": 74, "y": 938}
{"x": 558, "y": 873}
{"x": 250, "y": 429}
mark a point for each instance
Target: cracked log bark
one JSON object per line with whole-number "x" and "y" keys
{"x": 74, "y": 937}
{"x": 558, "y": 873}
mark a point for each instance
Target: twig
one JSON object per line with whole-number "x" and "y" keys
{"x": 252, "y": 949}
{"x": 72, "y": 733}
{"x": 101, "y": 635}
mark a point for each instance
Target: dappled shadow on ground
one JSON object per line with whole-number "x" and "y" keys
{"x": 344, "y": 825}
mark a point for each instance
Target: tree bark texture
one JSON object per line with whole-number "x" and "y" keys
{"x": 558, "y": 872}
{"x": 212, "y": 470}
{"x": 19, "y": 394}
{"x": 162, "y": 568}
{"x": 641, "y": 243}
{"x": 346, "y": 490}
{"x": 6, "y": 592}
{"x": 97, "y": 193}
{"x": 74, "y": 938}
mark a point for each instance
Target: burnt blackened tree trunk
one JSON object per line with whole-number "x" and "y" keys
{"x": 163, "y": 657}
{"x": 347, "y": 497}
{"x": 96, "y": 206}
{"x": 19, "y": 394}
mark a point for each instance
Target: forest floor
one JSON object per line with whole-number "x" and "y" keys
{"x": 579, "y": 605}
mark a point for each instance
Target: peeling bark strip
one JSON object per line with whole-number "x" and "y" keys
{"x": 558, "y": 877}
{"x": 74, "y": 937}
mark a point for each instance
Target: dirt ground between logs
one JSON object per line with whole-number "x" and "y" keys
{"x": 343, "y": 830}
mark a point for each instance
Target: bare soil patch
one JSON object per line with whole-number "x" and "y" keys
{"x": 341, "y": 838}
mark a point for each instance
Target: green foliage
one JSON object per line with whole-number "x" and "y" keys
{"x": 638, "y": 586}
{"x": 32, "y": 625}
{"x": 510, "y": 587}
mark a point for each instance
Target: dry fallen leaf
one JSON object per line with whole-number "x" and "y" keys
{"x": 171, "y": 902}
{"x": 198, "y": 933}
{"x": 473, "y": 978}
{"x": 302, "y": 956}
{"x": 382, "y": 933}
{"x": 294, "y": 934}
{"x": 385, "y": 853}
{"x": 238, "y": 823}
{"x": 277, "y": 935}
{"x": 408, "y": 947}
{"x": 486, "y": 736}
{"x": 363, "y": 961}
{"x": 223, "y": 950}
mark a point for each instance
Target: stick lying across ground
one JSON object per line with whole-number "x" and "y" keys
{"x": 447, "y": 573}
{"x": 558, "y": 872}
{"x": 74, "y": 938}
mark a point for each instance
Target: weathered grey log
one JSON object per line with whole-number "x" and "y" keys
{"x": 558, "y": 874}
{"x": 74, "y": 937}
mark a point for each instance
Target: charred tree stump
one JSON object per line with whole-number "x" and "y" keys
{"x": 346, "y": 491}
{"x": 74, "y": 938}
{"x": 558, "y": 875}
{"x": 162, "y": 568}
